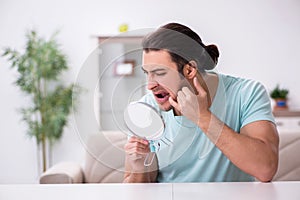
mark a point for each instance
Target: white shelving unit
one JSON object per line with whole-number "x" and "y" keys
{"x": 116, "y": 91}
{"x": 287, "y": 121}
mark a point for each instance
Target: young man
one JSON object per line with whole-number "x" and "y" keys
{"x": 221, "y": 127}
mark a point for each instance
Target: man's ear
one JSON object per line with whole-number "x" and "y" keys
{"x": 190, "y": 70}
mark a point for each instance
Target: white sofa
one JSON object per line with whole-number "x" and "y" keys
{"x": 289, "y": 157}
{"x": 104, "y": 162}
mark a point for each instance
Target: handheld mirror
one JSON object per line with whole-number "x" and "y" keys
{"x": 144, "y": 121}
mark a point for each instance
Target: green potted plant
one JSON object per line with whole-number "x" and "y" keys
{"x": 39, "y": 68}
{"x": 280, "y": 97}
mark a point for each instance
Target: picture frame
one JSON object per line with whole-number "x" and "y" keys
{"x": 124, "y": 68}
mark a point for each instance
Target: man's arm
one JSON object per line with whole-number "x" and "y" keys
{"x": 254, "y": 150}
{"x": 135, "y": 171}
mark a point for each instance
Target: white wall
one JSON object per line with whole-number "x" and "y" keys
{"x": 257, "y": 39}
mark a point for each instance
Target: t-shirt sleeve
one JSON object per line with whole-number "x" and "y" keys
{"x": 255, "y": 103}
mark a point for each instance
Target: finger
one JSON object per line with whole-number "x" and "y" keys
{"x": 186, "y": 91}
{"x": 135, "y": 156}
{"x": 174, "y": 103}
{"x": 137, "y": 151}
{"x": 134, "y": 148}
{"x": 180, "y": 99}
{"x": 180, "y": 95}
{"x": 139, "y": 140}
{"x": 198, "y": 87}
{"x": 135, "y": 145}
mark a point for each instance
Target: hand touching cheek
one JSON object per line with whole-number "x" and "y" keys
{"x": 191, "y": 105}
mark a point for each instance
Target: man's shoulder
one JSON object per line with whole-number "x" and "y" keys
{"x": 239, "y": 84}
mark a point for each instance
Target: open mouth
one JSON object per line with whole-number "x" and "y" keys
{"x": 162, "y": 97}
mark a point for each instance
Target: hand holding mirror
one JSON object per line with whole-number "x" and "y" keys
{"x": 145, "y": 122}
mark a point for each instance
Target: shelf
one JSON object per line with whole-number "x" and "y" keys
{"x": 116, "y": 92}
{"x": 286, "y": 113}
{"x": 120, "y": 39}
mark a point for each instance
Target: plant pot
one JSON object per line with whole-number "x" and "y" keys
{"x": 280, "y": 104}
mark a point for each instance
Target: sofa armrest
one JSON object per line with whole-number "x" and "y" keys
{"x": 64, "y": 172}
{"x": 289, "y": 163}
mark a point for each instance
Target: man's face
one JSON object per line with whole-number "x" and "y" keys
{"x": 163, "y": 78}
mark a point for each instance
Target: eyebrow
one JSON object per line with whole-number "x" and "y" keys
{"x": 155, "y": 70}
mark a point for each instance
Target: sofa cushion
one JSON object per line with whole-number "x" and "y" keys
{"x": 105, "y": 157}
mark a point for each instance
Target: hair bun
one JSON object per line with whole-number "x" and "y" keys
{"x": 213, "y": 51}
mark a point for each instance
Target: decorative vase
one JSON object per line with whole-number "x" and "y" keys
{"x": 280, "y": 104}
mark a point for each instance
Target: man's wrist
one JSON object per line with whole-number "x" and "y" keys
{"x": 211, "y": 126}
{"x": 204, "y": 121}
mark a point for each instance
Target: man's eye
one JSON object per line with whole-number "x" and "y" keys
{"x": 160, "y": 74}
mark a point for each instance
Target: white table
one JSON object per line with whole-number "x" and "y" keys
{"x": 238, "y": 191}
{"x": 176, "y": 191}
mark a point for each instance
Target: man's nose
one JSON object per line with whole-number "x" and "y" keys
{"x": 151, "y": 84}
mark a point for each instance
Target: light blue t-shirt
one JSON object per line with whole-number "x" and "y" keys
{"x": 187, "y": 155}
